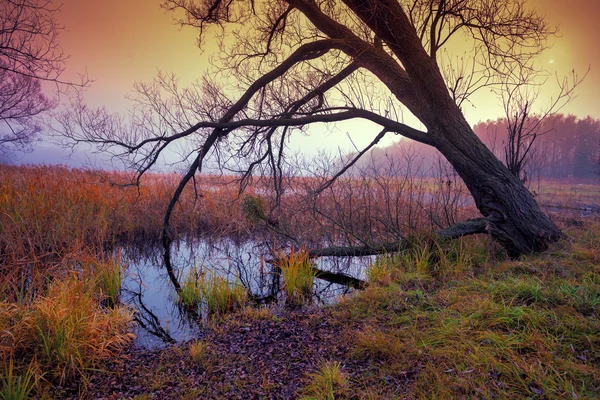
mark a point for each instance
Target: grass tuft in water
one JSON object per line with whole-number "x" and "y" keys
{"x": 211, "y": 291}
{"x": 298, "y": 277}
{"x": 220, "y": 296}
{"x": 190, "y": 294}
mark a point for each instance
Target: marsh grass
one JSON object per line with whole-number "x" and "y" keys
{"x": 190, "y": 294}
{"x": 103, "y": 273}
{"x": 65, "y": 330}
{"x": 109, "y": 276}
{"x": 17, "y": 387}
{"x": 221, "y": 296}
{"x": 328, "y": 382}
{"x": 456, "y": 317}
{"x": 382, "y": 270}
{"x": 211, "y": 291}
{"x": 525, "y": 328}
{"x": 298, "y": 276}
{"x": 73, "y": 332}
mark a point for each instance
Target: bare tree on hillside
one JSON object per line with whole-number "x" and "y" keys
{"x": 285, "y": 65}
{"x": 29, "y": 55}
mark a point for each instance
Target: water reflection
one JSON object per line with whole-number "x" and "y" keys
{"x": 148, "y": 289}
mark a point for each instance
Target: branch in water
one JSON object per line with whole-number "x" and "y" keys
{"x": 470, "y": 227}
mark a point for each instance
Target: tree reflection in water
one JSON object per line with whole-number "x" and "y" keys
{"x": 148, "y": 289}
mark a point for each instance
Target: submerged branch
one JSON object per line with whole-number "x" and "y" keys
{"x": 339, "y": 278}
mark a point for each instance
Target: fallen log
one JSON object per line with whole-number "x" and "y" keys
{"x": 470, "y": 227}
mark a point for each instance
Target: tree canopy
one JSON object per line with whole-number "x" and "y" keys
{"x": 282, "y": 66}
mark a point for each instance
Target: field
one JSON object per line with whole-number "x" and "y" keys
{"x": 439, "y": 320}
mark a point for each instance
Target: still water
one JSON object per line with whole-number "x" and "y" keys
{"x": 160, "y": 320}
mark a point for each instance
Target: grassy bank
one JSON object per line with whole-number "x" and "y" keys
{"x": 441, "y": 320}
{"x": 470, "y": 325}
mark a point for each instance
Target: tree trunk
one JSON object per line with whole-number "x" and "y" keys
{"x": 515, "y": 219}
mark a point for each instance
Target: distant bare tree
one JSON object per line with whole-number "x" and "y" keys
{"x": 524, "y": 125}
{"x": 29, "y": 55}
{"x": 596, "y": 157}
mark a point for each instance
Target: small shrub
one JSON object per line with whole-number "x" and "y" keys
{"x": 254, "y": 209}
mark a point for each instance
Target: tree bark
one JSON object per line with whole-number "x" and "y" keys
{"x": 514, "y": 218}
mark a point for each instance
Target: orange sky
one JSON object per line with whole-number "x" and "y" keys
{"x": 120, "y": 42}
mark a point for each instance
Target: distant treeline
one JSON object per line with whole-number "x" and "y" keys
{"x": 565, "y": 146}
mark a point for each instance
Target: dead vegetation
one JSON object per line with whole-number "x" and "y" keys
{"x": 440, "y": 319}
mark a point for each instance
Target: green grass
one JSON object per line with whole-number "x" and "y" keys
{"x": 17, "y": 387}
{"x": 215, "y": 293}
{"x": 298, "y": 277}
{"x": 190, "y": 294}
{"x": 109, "y": 278}
{"x": 221, "y": 296}
{"x": 524, "y": 329}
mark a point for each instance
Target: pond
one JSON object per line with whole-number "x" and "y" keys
{"x": 160, "y": 320}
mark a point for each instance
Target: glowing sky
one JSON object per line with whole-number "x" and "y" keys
{"x": 120, "y": 42}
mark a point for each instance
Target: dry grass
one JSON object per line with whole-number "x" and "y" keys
{"x": 66, "y": 331}
{"x": 567, "y": 193}
{"x": 72, "y": 332}
{"x": 17, "y": 387}
{"x": 67, "y": 325}
{"x": 198, "y": 351}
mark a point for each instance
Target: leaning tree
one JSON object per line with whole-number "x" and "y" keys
{"x": 284, "y": 65}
